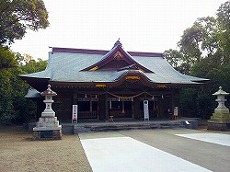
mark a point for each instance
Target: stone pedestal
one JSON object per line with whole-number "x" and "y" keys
{"x": 48, "y": 126}
{"x": 220, "y": 119}
{"x": 47, "y": 134}
{"x": 219, "y": 126}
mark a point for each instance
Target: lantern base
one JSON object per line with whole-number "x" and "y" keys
{"x": 218, "y": 126}
{"x": 219, "y": 121}
{"x": 220, "y": 117}
{"x": 45, "y": 133}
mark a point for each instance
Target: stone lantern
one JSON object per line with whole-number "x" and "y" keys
{"x": 220, "y": 119}
{"x": 48, "y": 126}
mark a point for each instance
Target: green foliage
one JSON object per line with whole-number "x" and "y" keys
{"x": 174, "y": 57}
{"x": 188, "y": 102}
{"x": 190, "y": 42}
{"x": 15, "y": 17}
{"x": 196, "y": 104}
{"x": 6, "y": 58}
{"x": 205, "y": 105}
{"x": 211, "y": 67}
{"x": 24, "y": 109}
{"x": 7, "y": 62}
{"x": 18, "y": 15}
{"x": 34, "y": 66}
{"x": 223, "y": 19}
{"x": 6, "y": 106}
{"x": 13, "y": 105}
{"x": 204, "y": 51}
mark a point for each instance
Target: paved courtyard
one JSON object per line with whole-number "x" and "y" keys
{"x": 166, "y": 150}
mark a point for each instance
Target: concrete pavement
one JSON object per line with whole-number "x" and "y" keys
{"x": 194, "y": 155}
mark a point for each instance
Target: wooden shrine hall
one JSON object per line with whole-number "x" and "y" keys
{"x": 109, "y": 83}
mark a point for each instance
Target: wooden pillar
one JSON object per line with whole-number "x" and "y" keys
{"x": 136, "y": 108}
{"x": 133, "y": 109}
{"x": 102, "y": 107}
{"x": 176, "y": 100}
{"x": 161, "y": 106}
{"x": 122, "y": 107}
{"x": 90, "y": 105}
{"x": 110, "y": 104}
{"x": 106, "y": 106}
{"x": 172, "y": 99}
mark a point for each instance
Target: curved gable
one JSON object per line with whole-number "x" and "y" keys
{"x": 133, "y": 76}
{"x": 116, "y": 59}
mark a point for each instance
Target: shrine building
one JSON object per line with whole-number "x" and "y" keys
{"x": 109, "y": 83}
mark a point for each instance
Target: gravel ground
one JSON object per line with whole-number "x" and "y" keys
{"x": 18, "y": 152}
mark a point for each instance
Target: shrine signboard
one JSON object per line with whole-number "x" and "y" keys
{"x": 74, "y": 114}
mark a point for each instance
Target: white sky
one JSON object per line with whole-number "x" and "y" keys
{"x": 141, "y": 25}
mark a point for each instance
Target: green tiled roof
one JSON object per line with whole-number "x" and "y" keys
{"x": 67, "y": 66}
{"x": 33, "y": 93}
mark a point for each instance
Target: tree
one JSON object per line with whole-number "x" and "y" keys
{"x": 190, "y": 44}
{"x": 216, "y": 64}
{"x": 24, "y": 110}
{"x": 6, "y": 105}
{"x": 34, "y": 66}
{"x": 209, "y": 42}
{"x": 174, "y": 57}
{"x": 223, "y": 19}
{"x": 204, "y": 51}
{"x": 13, "y": 105}
{"x": 205, "y": 47}
{"x": 7, "y": 63}
{"x": 6, "y": 58}
{"x": 177, "y": 60}
{"x": 188, "y": 101}
{"x": 18, "y": 15}
{"x": 196, "y": 43}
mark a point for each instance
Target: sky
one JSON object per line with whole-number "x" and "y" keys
{"x": 141, "y": 25}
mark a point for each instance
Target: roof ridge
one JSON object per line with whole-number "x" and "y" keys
{"x": 78, "y": 50}
{"x": 103, "y": 52}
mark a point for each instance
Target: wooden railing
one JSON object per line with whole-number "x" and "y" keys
{"x": 119, "y": 114}
{"x": 87, "y": 115}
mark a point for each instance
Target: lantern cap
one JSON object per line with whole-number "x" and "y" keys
{"x": 220, "y": 92}
{"x": 48, "y": 92}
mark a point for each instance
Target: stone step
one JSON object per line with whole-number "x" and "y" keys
{"x": 86, "y": 128}
{"x": 74, "y": 128}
